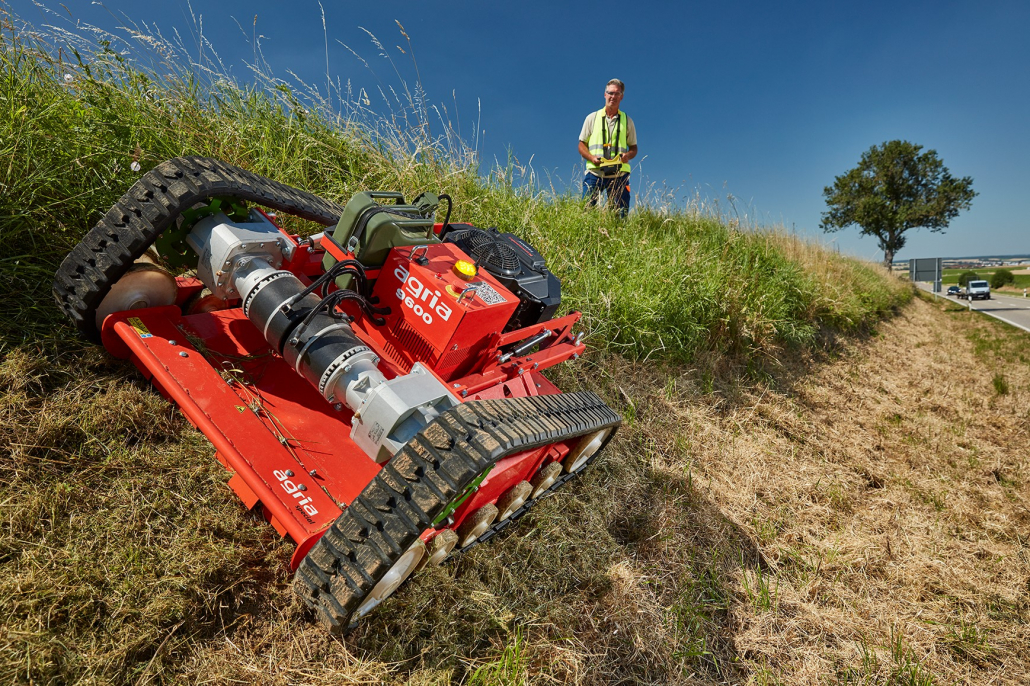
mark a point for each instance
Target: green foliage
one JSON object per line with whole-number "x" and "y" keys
{"x": 893, "y": 189}
{"x": 969, "y": 640}
{"x": 950, "y": 276}
{"x": 903, "y": 668}
{"x": 906, "y": 670}
{"x": 510, "y": 667}
{"x": 675, "y": 286}
{"x": 762, "y": 592}
{"x": 667, "y": 282}
{"x": 965, "y": 277}
{"x": 1002, "y": 277}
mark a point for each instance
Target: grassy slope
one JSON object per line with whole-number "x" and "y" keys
{"x": 676, "y": 282}
{"x": 730, "y": 534}
{"x": 858, "y": 517}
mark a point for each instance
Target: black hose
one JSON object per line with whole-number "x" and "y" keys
{"x": 361, "y": 281}
{"x": 352, "y": 267}
{"x": 331, "y": 301}
{"x": 447, "y": 217}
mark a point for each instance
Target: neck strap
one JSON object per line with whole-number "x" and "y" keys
{"x": 605, "y": 144}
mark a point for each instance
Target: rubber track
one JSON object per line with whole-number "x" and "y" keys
{"x": 150, "y": 207}
{"x": 530, "y": 504}
{"x": 422, "y": 478}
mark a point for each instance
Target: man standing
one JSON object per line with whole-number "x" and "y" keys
{"x": 608, "y": 142}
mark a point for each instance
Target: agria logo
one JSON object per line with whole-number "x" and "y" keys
{"x": 423, "y": 301}
{"x": 297, "y": 491}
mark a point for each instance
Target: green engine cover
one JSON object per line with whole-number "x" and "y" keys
{"x": 370, "y": 229}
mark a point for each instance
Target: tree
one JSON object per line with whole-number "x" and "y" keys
{"x": 965, "y": 277}
{"x": 893, "y": 189}
{"x": 1002, "y": 277}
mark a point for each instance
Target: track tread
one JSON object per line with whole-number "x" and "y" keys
{"x": 150, "y": 207}
{"x": 411, "y": 490}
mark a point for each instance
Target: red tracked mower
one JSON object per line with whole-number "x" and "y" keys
{"x": 375, "y": 388}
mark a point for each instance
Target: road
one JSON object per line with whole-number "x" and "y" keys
{"x": 1010, "y": 309}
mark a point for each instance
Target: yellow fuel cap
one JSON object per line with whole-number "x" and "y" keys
{"x": 464, "y": 270}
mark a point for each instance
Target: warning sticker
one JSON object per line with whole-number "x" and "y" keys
{"x": 487, "y": 293}
{"x": 141, "y": 328}
{"x": 376, "y": 432}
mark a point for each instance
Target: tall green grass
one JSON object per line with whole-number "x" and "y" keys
{"x": 82, "y": 115}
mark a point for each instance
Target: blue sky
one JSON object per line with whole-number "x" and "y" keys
{"x": 766, "y": 102}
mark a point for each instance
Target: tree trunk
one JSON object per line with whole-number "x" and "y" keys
{"x": 888, "y": 259}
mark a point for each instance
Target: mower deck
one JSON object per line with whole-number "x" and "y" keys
{"x": 288, "y": 449}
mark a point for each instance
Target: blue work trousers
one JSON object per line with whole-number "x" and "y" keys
{"x": 615, "y": 187}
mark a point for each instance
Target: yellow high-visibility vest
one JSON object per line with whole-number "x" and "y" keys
{"x": 606, "y": 146}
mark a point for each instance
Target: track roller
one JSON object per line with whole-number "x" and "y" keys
{"x": 144, "y": 285}
{"x": 545, "y": 478}
{"x": 401, "y": 570}
{"x": 585, "y": 449}
{"x": 440, "y": 548}
{"x": 514, "y": 498}
{"x": 476, "y": 524}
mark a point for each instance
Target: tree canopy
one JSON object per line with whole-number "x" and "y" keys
{"x": 895, "y": 188}
{"x": 1002, "y": 277}
{"x": 965, "y": 277}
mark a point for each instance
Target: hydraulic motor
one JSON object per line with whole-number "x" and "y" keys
{"x": 241, "y": 259}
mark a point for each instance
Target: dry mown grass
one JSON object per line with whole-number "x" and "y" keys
{"x": 856, "y": 518}
{"x": 888, "y": 495}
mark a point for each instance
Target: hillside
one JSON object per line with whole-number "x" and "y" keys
{"x": 819, "y": 479}
{"x": 671, "y": 282}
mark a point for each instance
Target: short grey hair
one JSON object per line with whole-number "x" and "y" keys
{"x": 620, "y": 84}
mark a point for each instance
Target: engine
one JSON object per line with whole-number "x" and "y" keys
{"x": 449, "y": 299}
{"x": 517, "y": 266}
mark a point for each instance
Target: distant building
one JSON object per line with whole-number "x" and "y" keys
{"x": 972, "y": 263}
